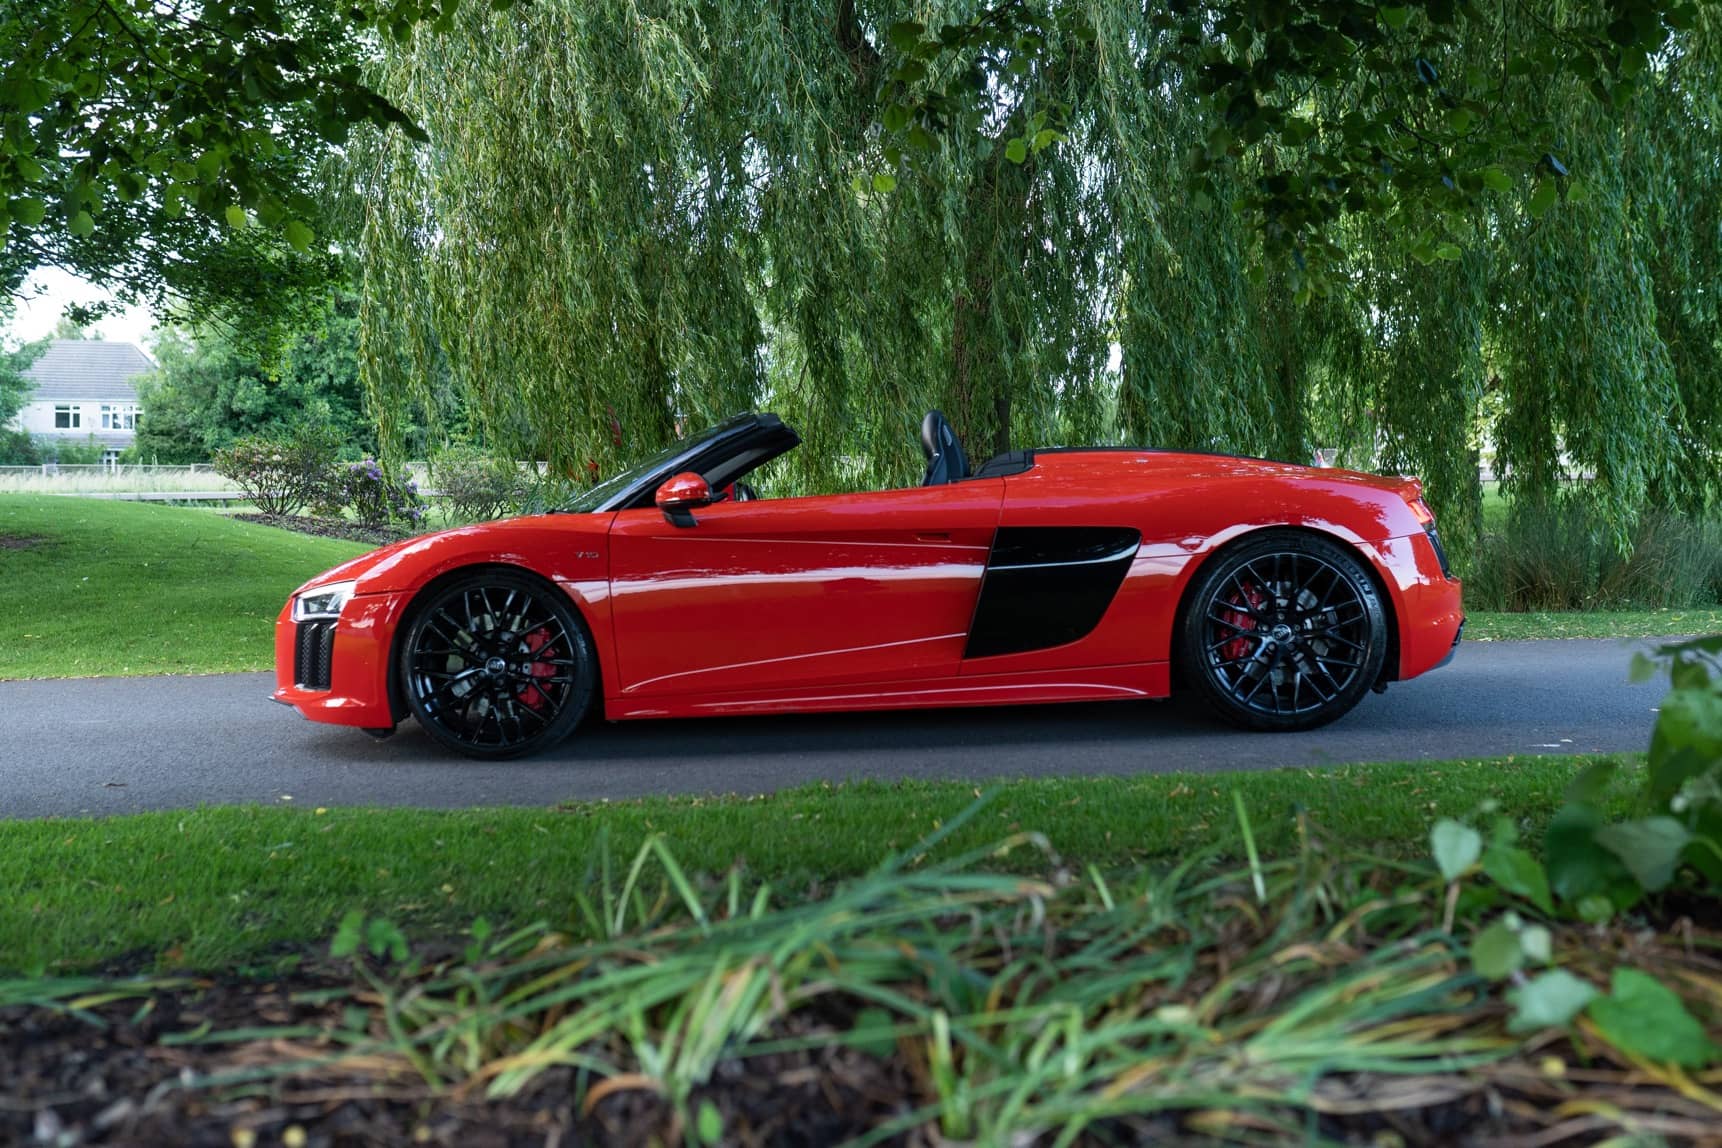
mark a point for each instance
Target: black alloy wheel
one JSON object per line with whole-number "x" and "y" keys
{"x": 497, "y": 665}
{"x": 1284, "y": 632}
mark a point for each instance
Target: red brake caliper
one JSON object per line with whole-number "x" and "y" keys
{"x": 1239, "y": 647}
{"x": 538, "y": 643}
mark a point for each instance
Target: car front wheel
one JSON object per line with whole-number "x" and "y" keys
{"x": 497, "y": 665}
{"x": 1284, "y": 632}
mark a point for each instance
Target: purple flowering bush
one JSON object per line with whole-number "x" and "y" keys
{"x": 281, "y": 475}
{"x": 374, "y": 495}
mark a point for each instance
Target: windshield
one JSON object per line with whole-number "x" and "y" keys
{"x": 596, "y": 497}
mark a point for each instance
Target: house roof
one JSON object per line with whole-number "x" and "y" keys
{"x": 88, "y": 370}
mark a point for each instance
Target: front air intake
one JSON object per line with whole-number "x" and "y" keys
{"x": 314, "y": 654}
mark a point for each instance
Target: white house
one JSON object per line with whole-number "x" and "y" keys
{"x": 83, "y": 387}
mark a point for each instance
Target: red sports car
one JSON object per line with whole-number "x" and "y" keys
{"x": 1276, "y": 594}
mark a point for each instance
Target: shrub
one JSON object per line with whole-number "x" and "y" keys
{"x": 281, "y": 475}
{"x": 18, "y": 449}
{"x": 1560, "y": 558}
{"x": 475, "y": 486}
{"x": 376, "y": 497}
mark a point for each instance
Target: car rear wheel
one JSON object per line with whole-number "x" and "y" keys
{"x": 1285, "y": 632}
{"x": 496, "y": 665}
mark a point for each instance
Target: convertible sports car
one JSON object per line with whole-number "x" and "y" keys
{"x": 1276, "y": 594}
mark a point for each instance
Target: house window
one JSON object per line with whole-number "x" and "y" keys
{"x": 111, "y": 457}
{"x": 67, "y": 417}
{"x": 116, "y": 417}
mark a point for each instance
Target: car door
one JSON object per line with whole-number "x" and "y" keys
{"x": 772, "y": 594}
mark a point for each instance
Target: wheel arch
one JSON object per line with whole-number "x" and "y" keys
{"x": 397, "y": 699}
{"x": 1389, "y": 664}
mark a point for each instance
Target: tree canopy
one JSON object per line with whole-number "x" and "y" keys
{"x": 211, "y": 389}
{"x": 1406, "y": 232}
{"x": 172, "y": 150}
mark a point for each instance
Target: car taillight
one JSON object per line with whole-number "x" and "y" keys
{"x": 1426, "y": 518}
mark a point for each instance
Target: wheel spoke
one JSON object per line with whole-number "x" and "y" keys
{"x": 458, "y": 683}
{"x": 1321, "y": 605}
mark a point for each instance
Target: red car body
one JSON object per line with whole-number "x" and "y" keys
{"x": 875, "y": 600}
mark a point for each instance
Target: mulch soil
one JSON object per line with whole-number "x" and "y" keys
{"x": 326, "y": 527}
{"x": 107, "y": 1076}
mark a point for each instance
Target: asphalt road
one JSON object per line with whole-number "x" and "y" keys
{"x": 118, "y": 745}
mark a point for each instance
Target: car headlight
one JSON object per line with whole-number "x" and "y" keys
{"x": 322, "y": 602}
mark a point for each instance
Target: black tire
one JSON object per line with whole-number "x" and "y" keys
{"x": 497, "y": 665}
{"x": 1285, "y": 631}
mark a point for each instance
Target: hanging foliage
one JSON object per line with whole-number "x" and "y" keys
{"x": 635, "y": 217}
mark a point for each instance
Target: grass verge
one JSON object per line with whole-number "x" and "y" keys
{"x": 1500, "y": 627}
{"x": 216, "y": 887}
{"x": 95, "y": 587}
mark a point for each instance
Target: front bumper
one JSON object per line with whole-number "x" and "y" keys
{"x": 357, "y": 666}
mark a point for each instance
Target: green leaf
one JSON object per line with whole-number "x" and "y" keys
{"x": 29, "y": 212}
{"x": 905, "y": 34}
{"x": 1495, "y": 179}
{"x": 349, "y": 936}
{"x": 1451, "y": 252}
{"x": 1016, "y": 150}
{"x": 1517, "y": 872}
{"x": 871, "y": 1033}
{"x": 82, "y": 223}
{"x": 299, "y": 236}
{"x": 1643, "y": 1017}
{"x": 1591, "y": 783}
{"x": 235, "y": 216}
{"x": 1542, "y": 199}
{"x": 709, "y": 1123}
{"x": 1577, "y": 869}
{"x": 1548, "y": 1001}
{"x": 1461, "y": 120}
{"x": 896, "y": 118}
{"x": 884, "y": 181}
{"x": 1537, "y": 943}
{"x": 1650, "y": 848}
{"x": 1456, "y": 847}
{"x": 1496, "y": 952}
{"x": 1394, "y": 18}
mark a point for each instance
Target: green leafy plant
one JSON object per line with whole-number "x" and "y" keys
{"x": 281, "y": 475}
{"x": 1594, "y": 868}
{"x": 476, "y": 486}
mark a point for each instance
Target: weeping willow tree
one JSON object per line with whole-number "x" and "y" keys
{"x": 632, "y": 217}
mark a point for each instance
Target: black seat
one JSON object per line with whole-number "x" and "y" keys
{"x": 945, "y": 459}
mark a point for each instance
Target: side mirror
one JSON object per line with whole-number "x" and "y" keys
{"x": 679, "y": 495}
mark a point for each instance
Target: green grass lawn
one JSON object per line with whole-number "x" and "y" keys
{"x": 90, "y": 587}
{"x": 1498, "y": 627}
{"x": 216, "y": 887}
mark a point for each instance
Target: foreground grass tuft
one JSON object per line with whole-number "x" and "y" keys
{"x": 208, "y": 888}
{"x": 99, "y": 588}
{"x": 1312, "y": 998}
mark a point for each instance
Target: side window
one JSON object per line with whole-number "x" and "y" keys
{"x": 67, "y": 417}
